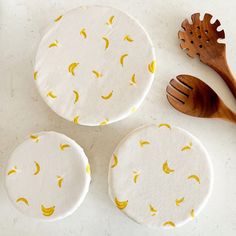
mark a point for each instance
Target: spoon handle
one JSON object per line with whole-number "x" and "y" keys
{"x": 222, "y": 68}
{"x": 225, "y": 113}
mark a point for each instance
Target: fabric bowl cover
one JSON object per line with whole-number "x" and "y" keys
{"x": 160, "y": 176}
{"x": 47, "y": 176}
{"x": 95, "y": 65}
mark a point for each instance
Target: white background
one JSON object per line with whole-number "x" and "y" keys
{"x": 22, "y": 111}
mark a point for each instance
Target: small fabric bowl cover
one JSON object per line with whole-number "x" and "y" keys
{"x": 160, "y": 176}
{"x": 95, "y": 65}
{"x": 47, "y": 176}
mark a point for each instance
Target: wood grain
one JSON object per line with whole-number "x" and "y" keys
{"x": 193, "y": 97}
{"x": 201, "y": 38}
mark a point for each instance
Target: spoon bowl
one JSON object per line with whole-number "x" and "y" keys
{"x": 201, "y": 38}
{"x": 193, "y": 97}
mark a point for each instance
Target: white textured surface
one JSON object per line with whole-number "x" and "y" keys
{"x": 22, "y": 111}
{"x": 155, "y": 166}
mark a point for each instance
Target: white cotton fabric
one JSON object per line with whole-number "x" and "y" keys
{"x": 78, "y": 37}
{"x": 41, "y": 188}
{"x": 155, "y": 188}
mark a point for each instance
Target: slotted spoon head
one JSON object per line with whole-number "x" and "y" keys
{"x": 201, "y": 38}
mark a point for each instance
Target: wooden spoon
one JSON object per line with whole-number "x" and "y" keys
{"x": 201, "y": 38}
{"x": 193, "y": 97}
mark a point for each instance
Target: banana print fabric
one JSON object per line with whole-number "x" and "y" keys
{"x": 47, "y": 176}
{"x": 160, "y": 176}
{"x": 95, "y": 65}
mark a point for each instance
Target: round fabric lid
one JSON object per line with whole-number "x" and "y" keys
{"x": 160, "y": 176}
{"x": 47, "y": 176}
{"x": 95, "y": 65}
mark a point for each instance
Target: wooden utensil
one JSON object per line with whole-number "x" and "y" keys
{"x": 193, "y": 97}
{"x": 201, "y": 38}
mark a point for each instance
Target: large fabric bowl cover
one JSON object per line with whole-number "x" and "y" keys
{"x": 95, "y": 65}
{"x": 47, "y": 176}
{"x": 160, "y": 176}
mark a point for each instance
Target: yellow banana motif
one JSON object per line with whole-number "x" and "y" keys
{"x": 122, "y": 59}
{"x": 153, "y": 210}
{"x": 128, "y": 38}
{"x": 195, "y": 177}
{"x": 35, "y": 138}
{"x": 115, "y": 163}
{"x": 59, "y": 181}
{"x": 121, "y": 204}
{"x": 107, "y": 43}
{"x": 37, "y": 166}
{"x": 35, "y": 75}
{"x": 164, "y": 125}
{"x": 179, "y": 201}
{"x": 188, "y": 147}
{"x": 166, "y": 168}
{"x": 143, "y": 142}
{"x": 63, "y": 146}
{"x": 97, "y": 74}
{"x": 72, "y": 66}
{"x": 54, "y": 44}
{"x": 22, "y": 199}
{"x": 133, "y": 109}
{"x": 192, "y": 213}
{"x": 58, "y": 18}
{"x": 12, "y": 171}
{"x": 133, "y": 80}
{"x": 108, "y": 96}
{"x": 51, "y": 95}
{"x": 105, "y": 122}
{"x": 76, "y": 120}
{"x": 76, "y": 96}
{"x": 152, "y": 67}
{"x": 88, "y": 169}
{"x": 110, "y": 20}
{"x": 47, "y": 211}
{"x": 135, "y": 176}
{"x": 169, "y": 223}
{"x": 83, "y": 33}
